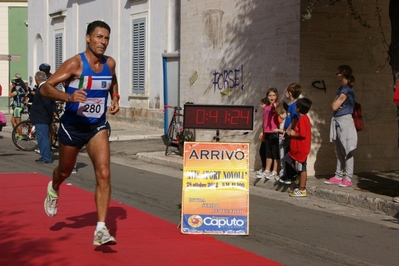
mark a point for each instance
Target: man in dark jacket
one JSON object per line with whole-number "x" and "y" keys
{"x": 41, "y": 115}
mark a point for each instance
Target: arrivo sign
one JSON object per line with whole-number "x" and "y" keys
{"x": 237, "y": 117}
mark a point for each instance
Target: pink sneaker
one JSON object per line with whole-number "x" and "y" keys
{"x": 333, "y": 181}
{"x": 346, "y": 183}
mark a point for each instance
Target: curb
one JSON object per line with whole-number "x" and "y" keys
{"x": 161, "y": 159}
{"x": 360, "y": 201}
{"x": 132, "y": 137}
{"x": 343, "y": 197}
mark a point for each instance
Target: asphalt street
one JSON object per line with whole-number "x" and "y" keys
{"x": 305, "y": 231}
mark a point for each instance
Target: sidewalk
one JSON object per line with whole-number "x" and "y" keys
{"x": 371, "y": 190}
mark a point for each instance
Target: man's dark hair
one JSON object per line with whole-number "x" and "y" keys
{"x": 95, "y": 24}
{"x": 303, "y": 105}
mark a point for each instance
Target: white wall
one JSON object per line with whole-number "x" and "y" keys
{"x": 119, "y": 15}
{"x": 259, "y": 40}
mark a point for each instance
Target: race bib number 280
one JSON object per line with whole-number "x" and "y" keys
{"x": 93, "y": 107}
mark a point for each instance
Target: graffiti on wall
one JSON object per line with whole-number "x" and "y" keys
{"x": 228, "y": 79}
{"x": 320, "y": 85}
{"x": 213, "y": 29}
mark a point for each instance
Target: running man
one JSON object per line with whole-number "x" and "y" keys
{"x": 88, "y": 77}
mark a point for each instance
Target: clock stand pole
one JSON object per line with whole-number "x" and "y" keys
{"x": 217, "y": 138}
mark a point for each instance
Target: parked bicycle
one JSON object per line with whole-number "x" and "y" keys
{"x": 26, "y": 140}
{"x": 177, "y": 135}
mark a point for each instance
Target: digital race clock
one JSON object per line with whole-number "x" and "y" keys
{"x": 238, "y": 117}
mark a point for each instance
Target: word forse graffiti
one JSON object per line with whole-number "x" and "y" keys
{"x": 228, "y": 79}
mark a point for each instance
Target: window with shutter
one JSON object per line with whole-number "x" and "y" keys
{"x": 139, "y": 30}
{"x": 58, "y": 54}
{"x": 58, "y": 50}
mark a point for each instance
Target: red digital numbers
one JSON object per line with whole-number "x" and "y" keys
{"x": 246, "y": 116}
{"x": 200, "y": 117}
{"x": 214, "y": 115}
{"x": 219, "y": 116}
{"x": 203, "y": 116}
{"x": 235, "y": 117}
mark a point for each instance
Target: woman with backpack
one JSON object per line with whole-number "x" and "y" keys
{"x": 342, "y": 130}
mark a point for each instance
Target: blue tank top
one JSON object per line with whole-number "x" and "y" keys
{"x": 291, "y": 113}
{"x": 96, "y": 86}
{"x": 348, "y": 105}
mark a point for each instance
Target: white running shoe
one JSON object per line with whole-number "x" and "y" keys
{"x": 102, "y": 237}
{"x": 260, "y": 171}
{"x": 74, "y": 170}
{"x": 51, "y": 201}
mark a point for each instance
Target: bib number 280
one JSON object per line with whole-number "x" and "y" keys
{"x": 93, "y": 107}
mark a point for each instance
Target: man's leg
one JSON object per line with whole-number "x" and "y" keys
{"x": 99, "y": 153}
{"x": 43, "y": 141}
{"x": 303, "y": 178}
{"x": 340, "y": 153}
{"x": 67, "y": 158}
{"x": 98, "y": 150}
{"x": 17, "y": 119}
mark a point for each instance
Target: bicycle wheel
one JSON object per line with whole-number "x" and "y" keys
{"x": 54, "y": 133}
{"x": 169, "y": 138}
{"x": 186, "y": 135}
{"x": 24, "y": 136}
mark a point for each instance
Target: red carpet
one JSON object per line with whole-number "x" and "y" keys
{"x": 29, "y": 237}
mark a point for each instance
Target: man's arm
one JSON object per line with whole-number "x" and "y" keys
{"x": 69, "y": 70}
{"x": 113, "y": 90}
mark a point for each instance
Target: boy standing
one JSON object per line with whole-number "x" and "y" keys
{"x": 292, "y": 93}
{"x": 301, "y": 136}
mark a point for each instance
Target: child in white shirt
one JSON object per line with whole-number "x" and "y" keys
{"x": 281, "y": 111}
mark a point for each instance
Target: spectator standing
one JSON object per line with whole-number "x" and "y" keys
{"x": 262, "y": 152}
{"x": 18, "y": 98}
{"x": 42, "y": 114}
{"x": 270, "y": 123}
{"x": 281, "y": 111}
{"x": 301, "y": 137}
{"x": 292, "y": 93}
{"x": 262, "y": 149}
{"x": 342, "y": 129}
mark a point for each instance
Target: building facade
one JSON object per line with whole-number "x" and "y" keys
{"x": 238, "y": 49}
{"x": 13, "y": 45}
{"x": 143, "y": 35}
{"x": 229, "y": 52}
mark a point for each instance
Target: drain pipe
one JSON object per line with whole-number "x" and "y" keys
{"x": 165, "y": 95}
